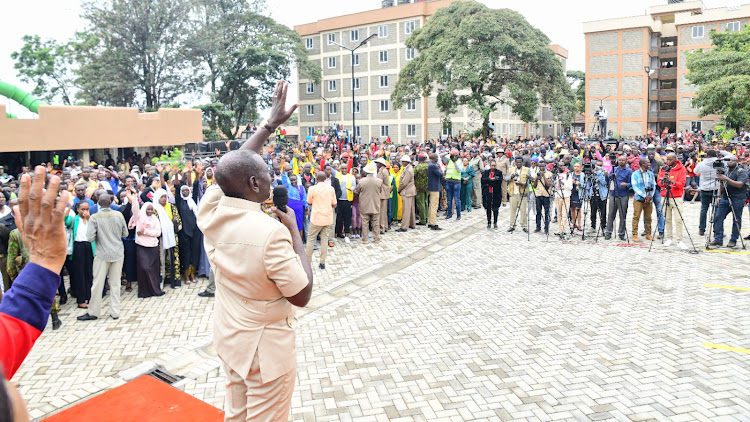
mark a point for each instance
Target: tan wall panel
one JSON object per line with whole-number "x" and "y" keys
{"x": 603, "y": 42}
{"x": 632, "y": 85}
{"x": 603, "y": 87}
{"x": 602, "y": 65}
{"x": 632, "y": 63}
{"x": 632, "y": 108}
{"x": 61, "y": 128}
{"x": 632, "y": 40}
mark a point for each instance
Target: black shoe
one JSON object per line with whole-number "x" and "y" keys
{"x": 747, "y": 237}
{"x": 495, "y": 226}
{"x": 401, "y": 231}
{"x": 607, "y": 236}
{"x": 731, "y": 245}
{"x": 660, "y": 235}
{"x": 622, "y": 237}
{"x": 436, "y": 228}
{"x": 322, "y": 266}
{"x": 510, "y": 230}
{"x": 63, "y": 299}
{"x": 538, "y": 229}
{"x": 115, "y": 318}
{"x": 458, "y": 218}
{"x": 175, "y": 287}
{"x": 525, "y": 230}
{"x": 56, "y": 323}
{"x": 421, "y": 224}
{"x": 87, "y": 317}
{"x": 716, "y": 244}
{"x": 489, "y": 226}
{"x": 206, "y": 294}
{"x": 448, "y": 217}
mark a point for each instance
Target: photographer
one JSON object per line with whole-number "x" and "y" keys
{"x": 708, "y": 186}
{"x": 655, "y": 165}
{"x": 672, "y": 181}
{"x": 735, "y": 181}
{"x": 597, "y": 191}
{"x": 601, "y": 114}
{"x": 619, "y": 194}
{"x": 644, "y": 184}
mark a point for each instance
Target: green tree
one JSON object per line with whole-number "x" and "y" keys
{"x": 240, "y": 54}
{"x": 48, "y": 65}
{"x": 142, "y": 40}
{"x": 479, "y": 57}
{"x": 723, "y": 77}
{"x": 576, "y": 76}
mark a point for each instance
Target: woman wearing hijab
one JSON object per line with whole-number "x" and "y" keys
{"x": 171, "y": 225}
{"x": 190, "y": 237}
{"x": 395, "y": 202}
{"x": 147, "y": 232}
{"x": 492, "y": 192}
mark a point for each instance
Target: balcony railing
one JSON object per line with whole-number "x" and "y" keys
{"x": 667, "y": 72}
{"x": 667, "y": 51}
{"x": 662, "y": 94}
{"x": 666, "y": 115}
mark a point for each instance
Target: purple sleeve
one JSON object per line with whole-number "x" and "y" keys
{"x": 30, "y": 298}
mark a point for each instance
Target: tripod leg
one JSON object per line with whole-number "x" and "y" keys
{"x": 669, "y": 193}
{"x": 653, "y": 236}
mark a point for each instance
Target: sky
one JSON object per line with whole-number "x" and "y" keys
{"x": 562, "y": 21}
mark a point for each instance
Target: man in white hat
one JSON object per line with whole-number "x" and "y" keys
{"x": 369, "y": 189}
{"x": 385, "y": 192}
{"x": 408, "y": 191}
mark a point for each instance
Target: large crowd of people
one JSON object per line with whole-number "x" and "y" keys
{"x": 133, "y": 220}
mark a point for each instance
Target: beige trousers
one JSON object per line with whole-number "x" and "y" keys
{"x": 312, "y": 233}
{"x": 366, "y": 218}
{"x": 432, "y": 213}
{"x": 562, "y": 205}
{"x": 383, "y": 215}
{"x": 249, "y": 399}
{"x": 517, "y": 201}
{"x": 106, "y": 270}
{"x": 408, "y": 218}
{"x": 672, "y": 219}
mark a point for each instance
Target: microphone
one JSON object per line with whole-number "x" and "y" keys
{"x": 280, "y": 197}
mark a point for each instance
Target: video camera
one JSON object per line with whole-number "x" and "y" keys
{"x": 719, "y": 167}
{"x": 588, "y": 168}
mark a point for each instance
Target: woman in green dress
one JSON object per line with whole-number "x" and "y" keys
{"x": 467, "y": 185}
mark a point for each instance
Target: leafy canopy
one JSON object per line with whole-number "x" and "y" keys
{"x": 723, "y": 77}
{"x": 479, "y": 57}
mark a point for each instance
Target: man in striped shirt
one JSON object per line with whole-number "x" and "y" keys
{"x": 106, "y": 228}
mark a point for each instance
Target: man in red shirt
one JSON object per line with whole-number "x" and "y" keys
{"x": 673, "y": 174}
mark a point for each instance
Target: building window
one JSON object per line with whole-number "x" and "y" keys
{"x": 384, "y": 131}
{"x": 311, "y": 131}
{"x": 411, "y": 105}
{"x": 333, "y": 108}
{"x": 410, "y": 54}
{"x": 385, "y": 106}
{"x": 448, "y": 131}
{"x": 355, "y": 83}
{"x": 384, "y": 81}
{"x": 410, "y": 27}
{"x": 331, "y": 62}
{"x": 331, "y": 86}
{"x": 331, "y": 39}
{"x": 358, "y": 131}
{"x": 698, "y": 31}
{"x": 355, "y": 60}
{"x": 733, "y": 27}
{"x": 310, "y": 87}
{"x": 383, "y": 31}
{"x": 696, "y": 126}
{"x": 411, "y": 131}
{"x": 309, "y": 43}
{"x": 384, "y": 56}
{"x": 354, "y": 35}
{"x": 356, "y": 107}
{"x": 310, "y": 110}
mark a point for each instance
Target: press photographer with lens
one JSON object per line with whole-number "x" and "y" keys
{"x": 672, "y": 183}
{"x": 644, "y": 185}
{"x": 709, "y": 186}
{"x": 733, "y": 182}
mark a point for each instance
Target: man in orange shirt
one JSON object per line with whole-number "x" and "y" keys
{"x": 322, "y": 197}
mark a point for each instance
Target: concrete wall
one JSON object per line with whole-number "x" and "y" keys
{"x": 74, "y": 128}
{"x": 603, "y": 42}
{"x": 632, "y": 40}
{"x": 602, "y": 65}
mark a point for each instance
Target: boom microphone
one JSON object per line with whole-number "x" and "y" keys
{"x": 280, "y": 197}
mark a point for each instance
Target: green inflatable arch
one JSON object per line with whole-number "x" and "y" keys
{"x": 21, "y": 97}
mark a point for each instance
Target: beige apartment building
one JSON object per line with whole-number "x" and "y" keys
{"x": 376, "y": 70}
{"x": 619, "y": 50}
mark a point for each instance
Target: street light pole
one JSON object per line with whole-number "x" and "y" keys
{"x": 328, "y": 106}
{"x": 649, "y": 72}
{"x": 351, "y": 63}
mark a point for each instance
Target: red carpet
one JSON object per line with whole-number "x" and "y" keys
{"x": 144, "y": 399}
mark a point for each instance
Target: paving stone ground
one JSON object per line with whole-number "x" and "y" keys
{"x": 463, "y": 324}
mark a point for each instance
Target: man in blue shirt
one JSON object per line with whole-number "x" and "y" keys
{"x": 619, "y": 195}
{"x": 644, "y": 185}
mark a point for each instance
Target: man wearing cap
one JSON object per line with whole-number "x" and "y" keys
{"x": 420, "y": 181}
{"x": 518, "y": 180}
{"x": 369, "y": 189}
{"x": 478, "y": 164}
{"x": 453, "y": 185}
{"x": 503, "y": 165}
{"x": 408, "y": 191}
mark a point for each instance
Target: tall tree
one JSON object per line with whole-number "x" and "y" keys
{"x": 723, "y": 77}
{"x": 144, "y": 39}
{"x": 578, "y": 78}
{"x": 241, "y": 53}
{"x": 479, "y": 57}
{"x": 48, "y": 65}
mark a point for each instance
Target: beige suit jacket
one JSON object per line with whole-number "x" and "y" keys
{"x": 406, "y": 186}
{"x": 385, "y": 187}
{"x": 256, "y": 268}
{"x": 369, "y": 189}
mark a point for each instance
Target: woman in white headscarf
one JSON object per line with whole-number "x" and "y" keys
{"x": 171, "y": 224}
{"x": 190, "y": 237}
{"x": 147, "y": 232}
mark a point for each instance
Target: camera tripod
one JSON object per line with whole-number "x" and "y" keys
{"x": 668, "y": 187}
{"x": 524, "y": 194}
{"x": 558, "y": 190}
{"x": 715, "y": 198}
{"x": 618, "y": 208}
{"x": 589, "y": 180}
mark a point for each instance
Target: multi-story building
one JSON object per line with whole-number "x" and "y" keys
{"x": 376, "y": 67}
{"x": 619, "y": 51}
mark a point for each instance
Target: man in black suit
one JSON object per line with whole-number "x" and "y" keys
{"x": 336, "y": 185}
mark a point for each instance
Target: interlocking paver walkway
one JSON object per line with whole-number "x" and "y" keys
{"x": 463, "y": 324}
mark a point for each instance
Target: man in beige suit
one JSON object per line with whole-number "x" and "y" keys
{"x": 261, "y": 270}
{"x": 408, "y": 191}
{"x": 385, "y": 192}
{"x": 369, "y": 189}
